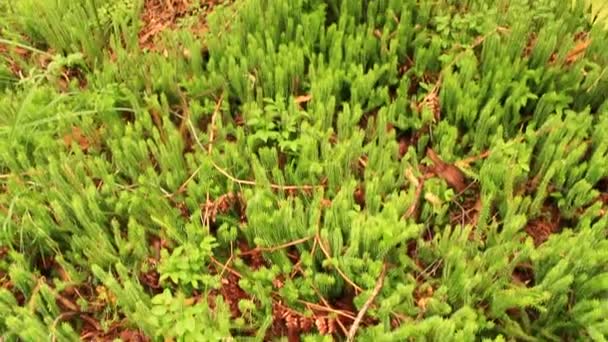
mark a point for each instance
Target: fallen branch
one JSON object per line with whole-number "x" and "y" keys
{"x": 353, "y": 329}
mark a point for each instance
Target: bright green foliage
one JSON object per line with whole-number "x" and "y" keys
{"x": 277, "y": 137}
{"x": 188, "y": 323}
{"x": 188, "y": 263}
{"x": 74, "y": 26}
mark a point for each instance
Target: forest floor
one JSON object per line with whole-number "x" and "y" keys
{"x": 179, "y": 170}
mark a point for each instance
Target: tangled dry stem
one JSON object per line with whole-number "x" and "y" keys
{"x": 353, "y": 329}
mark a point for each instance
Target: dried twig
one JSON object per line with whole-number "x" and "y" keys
{"x": 225, "y": 267}
{"x": 327, "y": 309}
{"x": 216, "y": 110}
{"x": 326, "y": 303}
{"x": 273, "y": 186}
{"x": 467, "y": 161}
{"x": 296, "y": 267}
{"x": 340, "y": 272}
{"x": 353, "y": 329}
{"x": 411, "y": 211}
{"x": 228, "y": 175}
{"x": 431, "y": 268}
{"x": 278, "y": 247}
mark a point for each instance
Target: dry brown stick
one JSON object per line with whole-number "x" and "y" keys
{"x": 340, "y": 272}
{"x": 206, "y": 218}
{"x": 469, "y": 160}
{"x": 353, "y": 329}
{"x": 297, "y": 267}
{"x": 411, "y": 211}
{"x": 399, "y": 316}
{"x": 185, "y": 183}
{"x": 66, "y": 302}
{"x": 278, "y": 247}
{"x": 216, "y": 111}
{"x": 327, "y": 309}
{"x": 225, "y": 267}
{"x": 326, "y": 303}
{"x": 69, "y": 314}
{"x": 39, "y": 282}
{"x": 273, "y": 186}
{"x": 234, "y": 179}
{"x": 61, "y": 317}
{"x": 432, "y": 267}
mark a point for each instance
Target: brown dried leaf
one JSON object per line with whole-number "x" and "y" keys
{"x": 530, "y": 46}
{"x": 431, "y": 100}
{"x": 577, "y": 51}
{"x": 303, "y": 98}
{"x": 233, "y": 293}
{"x": 77, "y": 136}
{"x": 523, "y": 274}
{"x": 133, "y": 336}
{"x": 404, "y": 146}
{"x": 448, "y": 172}
{"x": 326, "y": 203}
{"x": 359, "y": 196}
{"x": 541, "y": 228}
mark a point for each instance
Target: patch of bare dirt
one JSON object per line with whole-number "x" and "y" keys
{"x": 12, "y": 55}
{"x": 116, "y": 331}
{"x": 541, "y": 228}
{"x": 160, "y": 15}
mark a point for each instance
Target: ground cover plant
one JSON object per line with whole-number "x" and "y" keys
{"x": 389, "y": 170}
